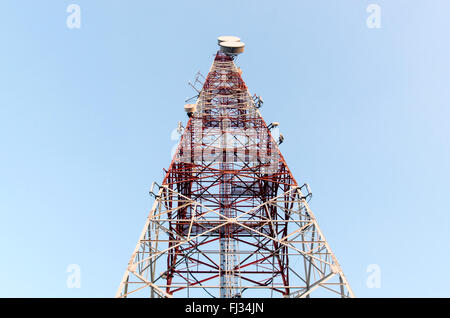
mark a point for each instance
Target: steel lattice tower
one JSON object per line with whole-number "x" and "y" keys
{"x": 229, "y": 219}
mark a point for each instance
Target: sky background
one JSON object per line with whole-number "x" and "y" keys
{"x": 86, "y": 117}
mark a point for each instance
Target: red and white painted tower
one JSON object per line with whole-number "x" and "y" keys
{"x": 229, "y": 219}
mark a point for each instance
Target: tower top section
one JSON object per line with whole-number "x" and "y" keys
{"x": 230, "y": 45}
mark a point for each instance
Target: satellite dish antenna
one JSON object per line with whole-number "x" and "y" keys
{"x": 228, "y": 38}
{"x": 190, "y": 109}
{"x": 232, "y": 48}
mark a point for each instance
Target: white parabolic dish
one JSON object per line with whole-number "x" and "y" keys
{"x": 232, "y": 47}
{"x": 227, "y": 38}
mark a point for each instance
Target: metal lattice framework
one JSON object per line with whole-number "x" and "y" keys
{"x": 229, "y": 219}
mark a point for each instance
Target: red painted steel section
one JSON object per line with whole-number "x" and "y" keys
{"x": 237, "y": 185}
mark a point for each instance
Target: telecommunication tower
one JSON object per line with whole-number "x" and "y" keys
{"x": 229, "y": 219}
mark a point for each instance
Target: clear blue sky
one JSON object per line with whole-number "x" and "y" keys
{"x": 86, "y": 117}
